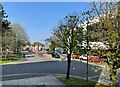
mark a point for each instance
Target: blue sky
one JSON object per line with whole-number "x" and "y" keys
{"x": 39, "y": 18}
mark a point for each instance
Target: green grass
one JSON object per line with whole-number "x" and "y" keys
{"x": 12, "y": 55}
{"x": 9, "y": 60}
{"x": 79, "y": 82}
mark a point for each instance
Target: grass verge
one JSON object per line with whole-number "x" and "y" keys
{"x": 79, "y": 82}
{"x": 9, "y": 60}
{"x": 11, "y": 57}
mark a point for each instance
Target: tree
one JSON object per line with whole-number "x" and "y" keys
{"x": 5, "y": 26}
{"x": 52, "y": 46}
{"x": 21, "y": 35}
{"x": 6, "y": 33}
{"x": 108, "y": 15}
{"x": 54, "y": 42}
{"x": 66, "y": 32}
{"x": 0, "y": 28}
{"x": 78, "y": 49}
{"x": 9, "y": 41}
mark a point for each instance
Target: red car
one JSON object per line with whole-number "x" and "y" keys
{"x": 48, "y": 52}
{"x": 94, "y": 59}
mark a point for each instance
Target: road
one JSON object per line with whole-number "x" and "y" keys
{"x": 18, "y": 71}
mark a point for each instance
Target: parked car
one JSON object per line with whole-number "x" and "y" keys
{"x": 45, "y": 52}
{"x": 48, "y": 52}
{"x": 30, "y": 51}
{"x": 83, "y": 57}
{"x": 94, "y": 59}
{"x": 55, "y": 55}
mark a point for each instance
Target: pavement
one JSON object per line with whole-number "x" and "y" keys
{"x": 43, "y": 81}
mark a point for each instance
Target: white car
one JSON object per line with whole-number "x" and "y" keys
{"x": 83, "y": 57}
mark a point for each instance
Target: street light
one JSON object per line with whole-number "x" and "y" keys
{"x": 87, "y": 48}
{"x": 85, "y": 21}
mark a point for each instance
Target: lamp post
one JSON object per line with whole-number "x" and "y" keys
{"x": 87, "y": 47}
{"x": 86, "y": 17}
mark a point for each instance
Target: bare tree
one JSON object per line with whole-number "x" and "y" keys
{"x": 66, "y": 32}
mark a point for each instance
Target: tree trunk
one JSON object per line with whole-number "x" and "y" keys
{"x": 68, "y": 68}
{"x": 6, "y": 55}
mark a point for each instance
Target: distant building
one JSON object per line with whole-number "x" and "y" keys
{"x": 37, "y": 46}
{"x": 92, "y": 45}
{"x": 95, "y": 45}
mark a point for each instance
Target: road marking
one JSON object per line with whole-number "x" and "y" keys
{"x": 94, "y": 76}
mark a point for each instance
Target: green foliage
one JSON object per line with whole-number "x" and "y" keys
{"x": 52, "y": 40}
{"x": 52, "y": 46}
{"x": 107, "y": 30}
{"x": 66, "y": 36}
{"x": 79, "y": 38}
{"x": 67, "y": 32}
{"x": 21, "y": 35}
{"x": 5, "y": 30}
{"x": 11, "y": 38}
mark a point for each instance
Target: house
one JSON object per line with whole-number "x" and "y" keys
{"x": 37, "y": 46}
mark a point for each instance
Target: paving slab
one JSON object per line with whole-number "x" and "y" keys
{"x": 14, "y": 82}
{"x": 41, "y": 81}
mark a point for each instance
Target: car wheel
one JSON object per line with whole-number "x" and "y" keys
{"x": 89, "y": 60}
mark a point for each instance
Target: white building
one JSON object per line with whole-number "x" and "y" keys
{"x": 93, "y": 45}
{"x": 37, "y": 46}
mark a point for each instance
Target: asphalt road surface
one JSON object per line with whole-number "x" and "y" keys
{"x": 18, "y": 71}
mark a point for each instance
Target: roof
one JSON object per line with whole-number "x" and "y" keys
{"x": 37, "y": 43}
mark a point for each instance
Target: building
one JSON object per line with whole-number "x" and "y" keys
{"x": 92, "y": 45}
{"x": 95, "y": 45}
{"x": 37, "y": 46}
